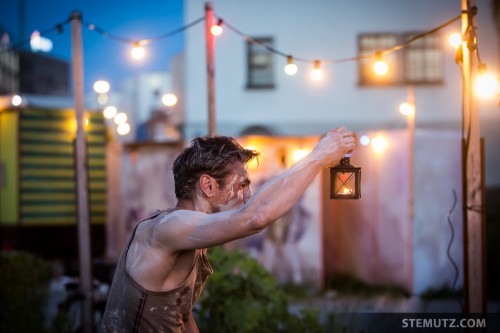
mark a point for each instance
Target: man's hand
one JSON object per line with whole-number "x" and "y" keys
{"x": 333, "y": 146}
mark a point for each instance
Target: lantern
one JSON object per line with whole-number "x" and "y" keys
{"x": 345, "y": 180}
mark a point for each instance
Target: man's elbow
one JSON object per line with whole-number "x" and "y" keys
{"x": 258, "y": 222}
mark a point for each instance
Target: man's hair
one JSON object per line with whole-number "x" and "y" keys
{"x": 207, "y": 155}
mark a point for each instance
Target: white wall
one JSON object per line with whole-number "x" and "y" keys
{"x": 328, "y": 29}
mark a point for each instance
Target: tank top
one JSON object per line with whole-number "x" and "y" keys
{"x": 132, "y": 308}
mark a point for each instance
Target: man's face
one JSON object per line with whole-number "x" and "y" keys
{"x": 235, "y": 189}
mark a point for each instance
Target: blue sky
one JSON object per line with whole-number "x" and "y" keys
{"x": 104, "y": 58}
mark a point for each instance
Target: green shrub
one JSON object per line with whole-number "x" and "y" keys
{"x": 242, "y": 297}
{"x": 24, "y": 280}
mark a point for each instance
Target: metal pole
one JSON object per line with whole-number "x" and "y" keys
{"x": 81, "y": 173}
{"x": 209, "y": 21}
{"x": 474, "y": 240}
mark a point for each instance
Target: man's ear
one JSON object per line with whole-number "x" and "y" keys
{"x": 207, "y": 185}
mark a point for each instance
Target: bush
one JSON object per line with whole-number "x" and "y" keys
{"x": 24, "y": 280}
{"x": 241, "y": 297}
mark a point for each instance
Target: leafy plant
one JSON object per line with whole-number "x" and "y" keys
{"x": 242, "y": 297}
{"x": 24, "y": 279}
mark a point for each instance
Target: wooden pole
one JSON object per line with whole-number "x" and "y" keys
{"x": 473, "y": 207}
{"x": 210, "y": 40}
{"x": 411, "y": 146}
{"x": 81, "y": 173}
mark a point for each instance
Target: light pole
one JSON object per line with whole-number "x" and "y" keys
{"x": 81, "y": 173}
{"x": 210, "y": 41}
{"x": 473, "y": 175}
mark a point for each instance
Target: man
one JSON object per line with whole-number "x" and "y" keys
{"x": 162, "y": 270}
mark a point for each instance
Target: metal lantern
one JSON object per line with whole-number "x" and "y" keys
{"x": 345, "y": 180}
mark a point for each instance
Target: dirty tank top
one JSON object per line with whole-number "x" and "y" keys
{"x": 132, "y": 308}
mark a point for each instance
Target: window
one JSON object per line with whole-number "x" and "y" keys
{"x": 420, "y": 62}
{"x": 260, "y": 73}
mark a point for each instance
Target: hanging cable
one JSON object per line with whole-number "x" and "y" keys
{"x": 448, "y": 250}
{"x": 381, "y": 52}
{"x": 143, "y": 42}
{"x": 58, "y": 27}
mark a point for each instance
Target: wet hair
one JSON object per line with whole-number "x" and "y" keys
{"x": 207, "y": 155}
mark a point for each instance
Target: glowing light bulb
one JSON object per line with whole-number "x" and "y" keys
{"x": 364, "y": 140}
{"x": 455, "y": 40}
{"x": 86, "y": 120}
{"x": 123, "y": 129}
{"x": 137, "y": 52}
{"x": 109, "y": 112}
{"x": 486, "y": 84}
{"x": 406, "y": 109}
{"x": 102, "y": 99}
{"x": 299, "y": 154}
{"x": 290, "y": 67}
{"x": 16, "y": 100}
{"x": 380, "y": 67}
{"x": 379, "y": 144}
{"x": 101, "y": 86}
{"x": 169, "y": 100}
{"x": 316, "y": 73}
{"x": 217, "y": 29}
{"x": 120, "y": 118}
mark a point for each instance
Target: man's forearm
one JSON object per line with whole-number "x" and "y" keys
{"x": 280, "y": 193}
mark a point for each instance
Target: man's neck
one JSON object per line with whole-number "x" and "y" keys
{"x": 197, "y": 204}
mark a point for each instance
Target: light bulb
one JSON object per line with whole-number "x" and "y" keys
{"x": 364, "y": 140}
{"x": 123, "y": 129}
{"x": 380, "y": 66}
{"x": 216, "y": 29}
{"x": 455, "y": 40}
{"x": 16, "y": 100}
{"x": 101, "y": 86}
{"x": 316, "y": 72}
{"x": 379, "y": 144}
{"x": 169, "y": 100}
{"x": 120, "y": 118}
{"x": 137, "y": 52}
{"x": 486, "y": 85}
{"x": 290, "y": 67}
{"x": 109, "y": 112}
{"x": 406, "y": 109}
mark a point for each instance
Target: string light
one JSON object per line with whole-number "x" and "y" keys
{"x": 290, "y": 67}
{"x": 407, "y": 109}
{"x": 217, "y": 29}
{"x": 455, "y": 40}
{"x": 486, "y": 84}
{"x": 169, "y": 100}
{"x": 101, "y": 86}
{"x": 364, "y": 140}
{"x": 120, "y": 118}
{"x": 109, "y": 112}
{"x": 16, "y": 100}
{"x": 379, "y": 144}
{"x": 380, "y": 66}
{"x": 123, "y": 129}
{"x": 316, "y": 72}
{"x": 137, "y": 52}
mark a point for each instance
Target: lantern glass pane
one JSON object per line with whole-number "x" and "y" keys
{"x": 344, "y": 183}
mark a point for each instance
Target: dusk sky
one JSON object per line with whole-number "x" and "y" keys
{"x": 104, "y": 58}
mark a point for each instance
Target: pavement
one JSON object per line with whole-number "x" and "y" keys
{"x": 384, "y": 312}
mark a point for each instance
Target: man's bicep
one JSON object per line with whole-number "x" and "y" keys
{"x": 186, "y": 230}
